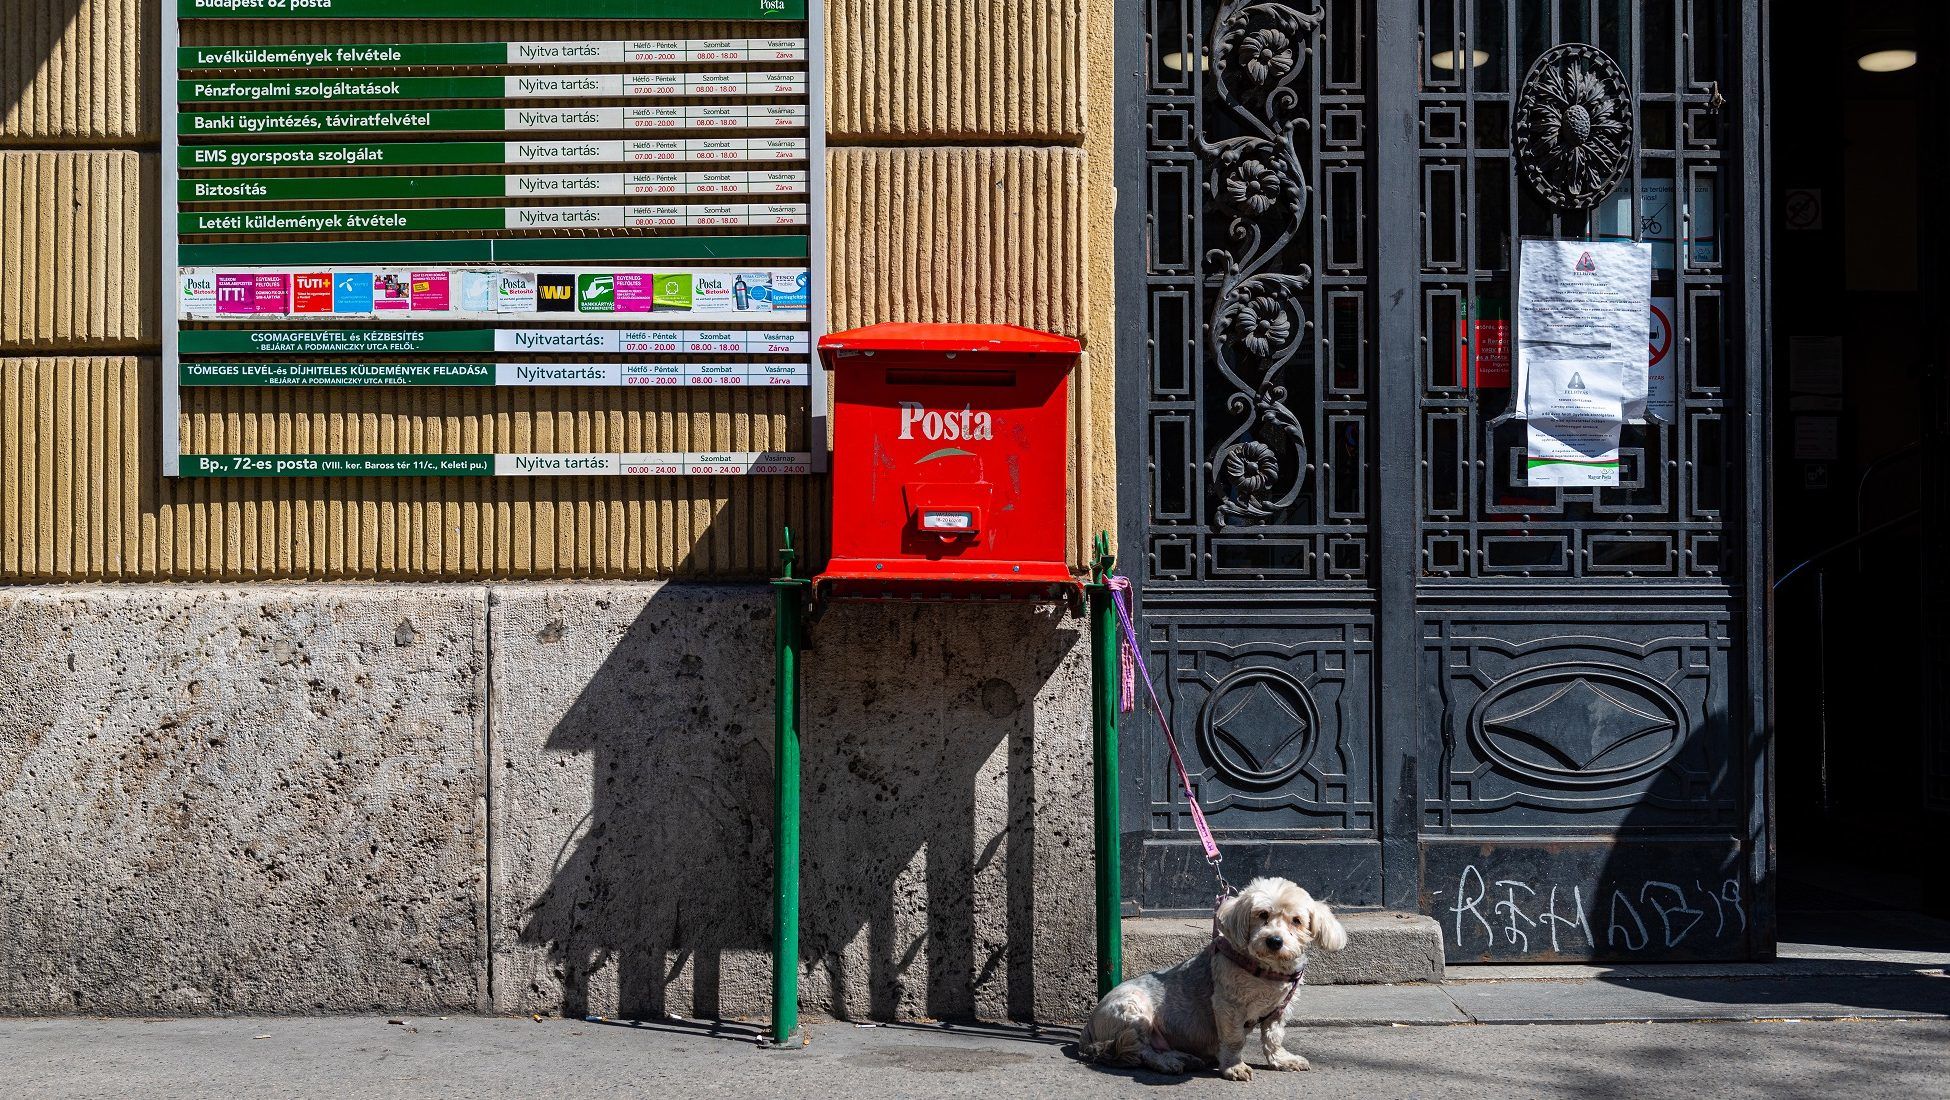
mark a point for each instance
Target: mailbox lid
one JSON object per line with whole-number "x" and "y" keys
{"x": 835, "y": 348}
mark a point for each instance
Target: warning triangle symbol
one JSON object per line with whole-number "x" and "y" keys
{"x": 1586, "y": 264}
{"x": 1576, "y": 382}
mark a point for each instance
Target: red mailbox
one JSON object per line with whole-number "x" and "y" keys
{"x": 950, "y": 452}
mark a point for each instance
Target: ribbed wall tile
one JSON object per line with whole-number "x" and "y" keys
{"x": 86, "y": 70}
{"x": 83, "y": 497}
{"x": 955, "y": 69}
{"x": 78, "y": 250}
{"x": 969, "y": 233}
{"x": 958, "y": 234}
{"x": 79, "y": 71}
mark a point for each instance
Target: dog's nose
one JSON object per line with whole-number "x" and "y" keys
{"x": 1273, "y": 943}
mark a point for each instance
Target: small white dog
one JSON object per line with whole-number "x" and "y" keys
{"x": 1202, "y": 1010}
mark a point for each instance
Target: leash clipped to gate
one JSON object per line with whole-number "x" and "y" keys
{"x": 1132, "y": 664}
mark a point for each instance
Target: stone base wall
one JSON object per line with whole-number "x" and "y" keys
{"x": 532, "y": 798}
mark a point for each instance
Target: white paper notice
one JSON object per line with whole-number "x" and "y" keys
{"x": 1583, "y": 334}
{"x": 1574, "y": 411}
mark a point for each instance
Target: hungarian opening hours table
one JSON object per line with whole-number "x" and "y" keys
{"x": 642, "y": 210}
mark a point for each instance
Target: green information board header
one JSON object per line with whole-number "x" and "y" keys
{"x": 491, "y": 9}
{"x": 501, "y": 250}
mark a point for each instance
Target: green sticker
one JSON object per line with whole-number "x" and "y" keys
{"x": 595, "y": 294}
{"x": 673, "y": 292}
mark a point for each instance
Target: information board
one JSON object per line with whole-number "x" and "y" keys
{"x": 640, "y": 209}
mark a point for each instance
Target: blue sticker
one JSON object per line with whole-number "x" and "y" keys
{"x": 797, "y": 295}
{"x": 352, "y": 292}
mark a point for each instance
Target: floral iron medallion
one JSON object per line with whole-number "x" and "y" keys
{"x": 1574, "y": 126}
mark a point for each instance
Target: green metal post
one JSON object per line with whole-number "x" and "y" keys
{"x": 788, "y": 637}
{"x": 1105, "y": 683}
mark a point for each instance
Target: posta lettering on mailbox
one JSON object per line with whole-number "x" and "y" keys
{"x": 966, "y": 424}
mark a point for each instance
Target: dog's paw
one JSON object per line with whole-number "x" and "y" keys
{"x": 1237, "y": 1072}
{"x": 1170, "y": 1061}
{"x": 1287, "y": 1060}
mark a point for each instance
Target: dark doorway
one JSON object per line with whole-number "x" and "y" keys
{"x": 1863, "y": 772}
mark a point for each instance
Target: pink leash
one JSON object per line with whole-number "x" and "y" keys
{"x": 1120, "y": 588}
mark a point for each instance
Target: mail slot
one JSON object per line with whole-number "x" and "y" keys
{"x": 950, "y": 454}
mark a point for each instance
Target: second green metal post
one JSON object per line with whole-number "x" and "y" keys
{"x": 788, "y": 636}
{"x": 1104, "y": 692}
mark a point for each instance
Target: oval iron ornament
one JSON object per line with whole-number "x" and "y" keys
{"x": 1573, "y": 130}
{"x": 1579, "y": 725}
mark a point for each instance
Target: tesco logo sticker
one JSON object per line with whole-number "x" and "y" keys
{"x": 966, "y": 424}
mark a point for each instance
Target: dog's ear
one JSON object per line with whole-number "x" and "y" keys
{"x": 1225, "y": 910}
{"x": 1326, "y": 927}
{"x": 1231, "y": 913}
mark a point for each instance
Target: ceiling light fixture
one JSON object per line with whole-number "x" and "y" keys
{"x": 1886, "y": 61}
{"x": 1446, "y": 60}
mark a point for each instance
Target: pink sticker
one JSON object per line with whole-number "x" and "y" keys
{"x": 636, "y": 292}
{"x": 429, "y": 291}
{"x": 390, "y": 291}
{"x": 273, "y": 291}
{"x": 236, "y": 294}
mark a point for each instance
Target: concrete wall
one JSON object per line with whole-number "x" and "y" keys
{"x": 283, "y": 798}
{"x": 547, "y": 798}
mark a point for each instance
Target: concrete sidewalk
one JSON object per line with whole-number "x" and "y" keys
{"x": 367, "y": 1058}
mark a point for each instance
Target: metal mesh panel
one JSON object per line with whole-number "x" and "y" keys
{"x": 1479, "y": 518}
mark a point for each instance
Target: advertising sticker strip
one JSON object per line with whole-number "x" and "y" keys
{"x": 462, "y": 294}
{"x": 689, "y": 254}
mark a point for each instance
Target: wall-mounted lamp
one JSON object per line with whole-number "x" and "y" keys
{"x": 1886, "y": 61}
{"x": 1446, "y": 60}
{"x": 1178, "y": 63}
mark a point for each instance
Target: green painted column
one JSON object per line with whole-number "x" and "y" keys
{"x": 1104, "y": 690}
{"x": 788, "y": 639}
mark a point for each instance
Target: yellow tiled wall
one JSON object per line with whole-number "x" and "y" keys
{"x": 968, "y": 182}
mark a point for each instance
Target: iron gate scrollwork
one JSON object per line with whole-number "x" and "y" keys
{"x": 1259, "y": 49}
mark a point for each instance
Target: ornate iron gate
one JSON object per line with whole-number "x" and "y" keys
{"x": 1404, "y": 676}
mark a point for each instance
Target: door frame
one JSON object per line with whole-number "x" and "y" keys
{"x": 1392, "y": 144}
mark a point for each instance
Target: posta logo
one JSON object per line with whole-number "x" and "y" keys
{"x": 966, "y": 424}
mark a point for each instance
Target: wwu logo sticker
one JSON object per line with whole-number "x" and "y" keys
{"x": 1586, "y": 265}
